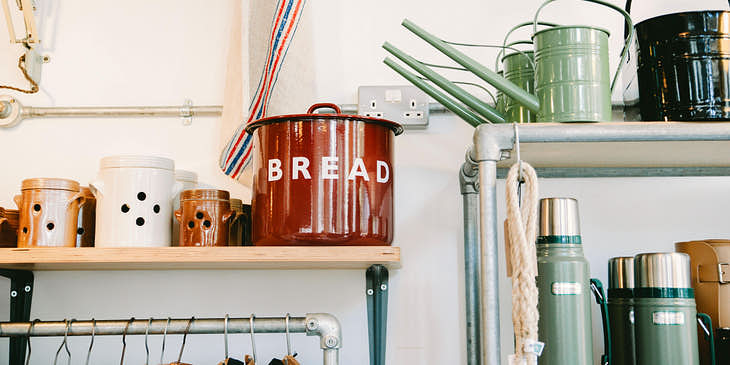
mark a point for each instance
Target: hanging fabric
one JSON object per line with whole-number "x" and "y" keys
{"x": 237, "y": 153}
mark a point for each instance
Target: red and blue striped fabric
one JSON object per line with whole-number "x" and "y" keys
{"x": 237, "y": 153}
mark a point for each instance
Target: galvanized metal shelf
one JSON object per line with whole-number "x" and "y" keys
{"x": 189, "y": 258}
{"x": 564, "y": 150}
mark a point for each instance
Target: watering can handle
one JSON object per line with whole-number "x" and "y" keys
{"x": 509, "y": 33}
{"x": 705, "y": 322}
{"x": 597, "y": 289}
{"x": 627, "y": 43}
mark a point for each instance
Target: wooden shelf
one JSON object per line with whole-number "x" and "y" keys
{"x": 189, "y": 258}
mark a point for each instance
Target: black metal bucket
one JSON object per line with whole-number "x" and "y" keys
{"x": 683, "y": 66}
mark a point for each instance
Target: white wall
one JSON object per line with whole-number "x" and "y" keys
{"x": 155, "y": 53}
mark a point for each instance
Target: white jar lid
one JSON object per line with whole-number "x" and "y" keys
{"x": 137, "y": 161}
{"x": 187, "y": 176}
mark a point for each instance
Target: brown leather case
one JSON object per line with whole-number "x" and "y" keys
{"x": 710, "y": 268}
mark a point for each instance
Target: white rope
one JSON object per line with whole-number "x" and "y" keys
{"x": 522, "y": 226}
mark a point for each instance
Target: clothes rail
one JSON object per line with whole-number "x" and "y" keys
{"x": 323, "y": 325}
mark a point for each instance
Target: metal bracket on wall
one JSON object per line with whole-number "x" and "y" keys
{"x": 21, "y": 294}
{"x": 376, "y": 280}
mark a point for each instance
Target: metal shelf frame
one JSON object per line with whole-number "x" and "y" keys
{"x": 478, "y": 178}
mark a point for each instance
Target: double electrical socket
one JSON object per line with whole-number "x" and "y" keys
{"x": 406, "y": 105}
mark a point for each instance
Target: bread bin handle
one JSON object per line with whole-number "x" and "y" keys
{"x": 324, "y": 105}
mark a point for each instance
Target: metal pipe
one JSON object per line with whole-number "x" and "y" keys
{"x": 468, "y": 176}
{"x": 184, "y": 111}
{"x": 156, "y": 327}
{"x": 331, "y": 357}
{"x": 490, "y": 330}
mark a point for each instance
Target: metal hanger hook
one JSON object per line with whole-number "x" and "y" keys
{"x": 288, "y": 337}
{"x": 253, "y": 341}
{"x": 30, "y": 328}
{"x": 124, "y": 340}
{"x": 520, "y": 178}
{"x": 146, "y": 344}
{"x": 164, "y": 339}
{"x": 64, "y": 343}
{"x": 91, "y": 343}
{"x": 225, "y": 335}
{"x": 185, "y": 337}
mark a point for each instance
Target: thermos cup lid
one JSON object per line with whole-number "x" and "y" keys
{"x": 662, "y": 270}
{"x": 187, "y": 176}
{"x": 621, "y": 273}
{"x": 49, "y": 183}
{"x": 559, "y": 217}
{"x": 137, "y": 161}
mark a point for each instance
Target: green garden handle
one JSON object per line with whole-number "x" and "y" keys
{"x": 506, "y": 36}
{"x": 705, "y": 320}
{"x": 627, "y": 43}
{"x": 597, "y": 289}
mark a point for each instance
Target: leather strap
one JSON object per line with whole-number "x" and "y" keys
{"x": 719, "y": 273}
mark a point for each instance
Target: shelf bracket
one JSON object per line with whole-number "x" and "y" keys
{"x": 21, "y": 294}
{"x": 376, "y": 284}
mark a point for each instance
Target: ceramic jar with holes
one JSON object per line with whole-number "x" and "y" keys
{"x": 9, "y": 222}
{"x": 204, "y": 217}
{"x": 134, "y": 201}
{"x": 87, "y": 219}
{"x": 49, "y": 211}
{"x": 188, "y": 180}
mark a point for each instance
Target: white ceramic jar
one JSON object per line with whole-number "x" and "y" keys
{"x": 188, "y": 180}
{"x": 134, "y": 197}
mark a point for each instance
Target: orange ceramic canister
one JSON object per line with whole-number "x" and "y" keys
{"x": 9, "y": 220}
{"x": 323, "y": 179}
{"x": 49, "y": 210}
{"x": 87, "y": 219}
{"x": 204, "y": 217}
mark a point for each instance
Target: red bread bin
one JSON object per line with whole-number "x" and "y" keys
{"x": 323, "y": 179}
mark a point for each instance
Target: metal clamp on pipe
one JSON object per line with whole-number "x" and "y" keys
{"x": 13, "y": 112}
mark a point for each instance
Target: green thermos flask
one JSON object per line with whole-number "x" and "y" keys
{"x": 621, "y": 310}
{"x": 665, "y": 312}
{"x": 564, "y": 286}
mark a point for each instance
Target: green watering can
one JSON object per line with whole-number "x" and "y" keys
{"x": 519, "y": 68}
{"x": 571, "y": 74}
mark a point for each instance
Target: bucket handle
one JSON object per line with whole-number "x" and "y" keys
{"x": 509, "y": 33}
{"x": 627, "y": 43}
{"x": 597, "y": 289}
{"x": 705, "y": 323}
{"x": 324, "y": 105}
{"x": 511, "y": 47}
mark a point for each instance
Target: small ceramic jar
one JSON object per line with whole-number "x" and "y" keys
{"x": 134, "y": 201}
{"x": 87, "y": 219}
{"x": 188, "y": 180}
{"x": 235, "y": 235}
{"x": 49, "y": 211}
{"x": 9, "y": 221}
{"x": 204, "y": 217}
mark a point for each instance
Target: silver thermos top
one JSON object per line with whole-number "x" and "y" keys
{"x": 559, "y": 217}
{"x": 662, "y": 270}
{"x": 621, "y": 273}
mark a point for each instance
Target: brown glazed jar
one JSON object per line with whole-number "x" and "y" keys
{"x": 9, "y": 221}
{"x": 87, "y": 219}
{"x": 204, "y": 217}
{"x": 235, "y": 232}
{"x": 49, "y": 211}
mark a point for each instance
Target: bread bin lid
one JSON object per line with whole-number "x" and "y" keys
{"x": 132, "y": 161}
{"x": 662, "y": 270}
{"x": 621, "y": 273}
{"x": 49, "y": 183}
{"x": 205, "y": 194}
{"x": 186, "y": 176}
{"x": 310, "y": 116}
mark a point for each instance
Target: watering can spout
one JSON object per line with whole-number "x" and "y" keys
{"x": 508, "y": 88}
